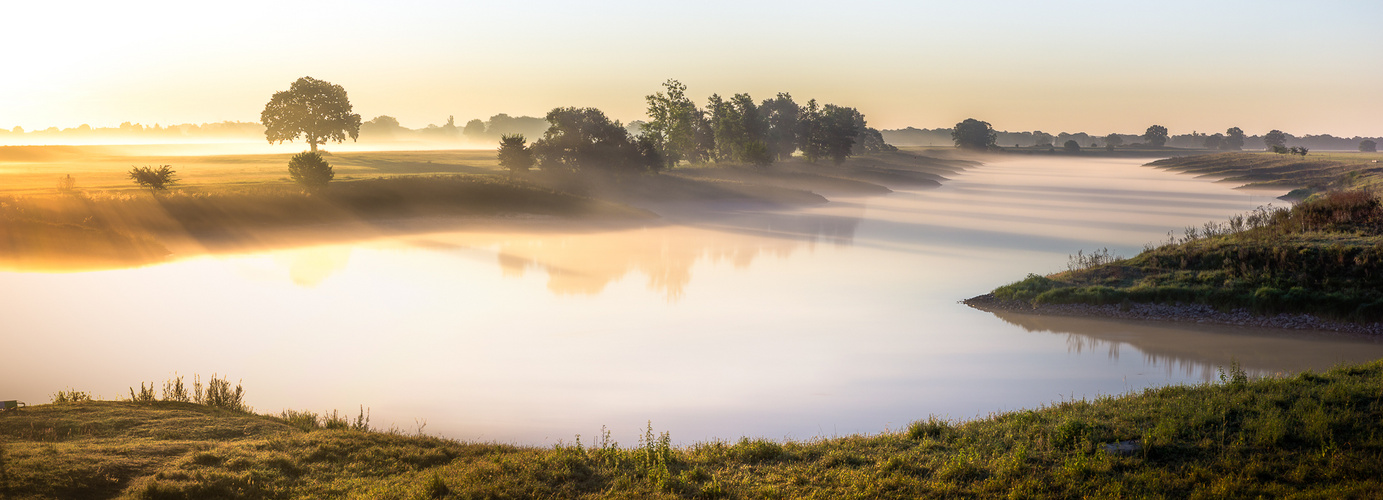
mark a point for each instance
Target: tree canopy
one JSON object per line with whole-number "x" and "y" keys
{"x": 513, "y": 154}
{"x": 781, "y": 115}
{"x": 584, "y": 139}
{"x": 1234, "y": 139}
{"x": 1071, "y": 146}
{"x": 315, "y": 110}
{"x": 1275, "y": 138}
{"x": 672, "y": 123}
{"x": 1156, "y": 135}
{"x": 974, "y": 134}
{"x": 1368, "y": 146}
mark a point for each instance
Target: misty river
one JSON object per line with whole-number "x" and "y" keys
{"x": 838, "y": 319}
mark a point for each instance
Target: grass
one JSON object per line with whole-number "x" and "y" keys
{"x": 1323, "y": 256}
{"x": 1309, "y": 434}
{"x": 1312, "y": 174}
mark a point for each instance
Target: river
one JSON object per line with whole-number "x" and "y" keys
{"x": 834, "y": 320}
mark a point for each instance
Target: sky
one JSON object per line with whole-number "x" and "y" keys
{"x": 1058, "y": 66}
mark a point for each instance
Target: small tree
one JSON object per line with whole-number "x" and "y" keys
{"x": 514, "y": 154}
{"x": 153, "y": 179}
{"x": 1071, "y": 146}
{"x": 310, "y": 170}
{"x": 1275, "y": 138}
{"x": 1156, "y": 135}
{"x": 1368, "y": 146}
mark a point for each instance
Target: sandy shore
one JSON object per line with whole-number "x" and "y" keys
{"x": 1180, "y": 313}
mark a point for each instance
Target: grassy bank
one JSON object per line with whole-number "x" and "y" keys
{"x": 1311, "y": 434}
{"x": 103, "y": 220}
{"x": 80, "y": 230}
{"x": 1323, "y": 257}
{"x": 1305, "y": 175}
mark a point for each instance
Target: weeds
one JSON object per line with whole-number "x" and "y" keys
{"x": 71, "y": 396}
{"x": 145, "y": 395}
{"x": 220, "y": 395}
{"x": 1100, "y": 257}
{"x": 173, "y": 390}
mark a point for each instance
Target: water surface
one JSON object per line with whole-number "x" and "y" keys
{"x": 839, "y": 319}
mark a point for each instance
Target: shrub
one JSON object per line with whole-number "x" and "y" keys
{"x": 146, "y": 394}
{"x": 220, "y": 395}
{"x": 153, "y": 179}
{"x": 310, "y": 170}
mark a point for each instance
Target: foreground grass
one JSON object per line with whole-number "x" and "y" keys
{"x": 1310, "y": 434}
{"x": 1323, "y": 257}
{"x": 1306, "y": 175}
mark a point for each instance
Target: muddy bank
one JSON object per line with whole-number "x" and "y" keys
{"x": 1179, "y": 313}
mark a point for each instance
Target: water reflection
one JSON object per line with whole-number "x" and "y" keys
{"x": 586, "y": 263}
{"x": 1199, "y": 350}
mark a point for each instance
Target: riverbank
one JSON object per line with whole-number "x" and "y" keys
{"x": 1178, "y": 313}
{"x": 1307, "y": 434}
{"x": 1303, "y": 175}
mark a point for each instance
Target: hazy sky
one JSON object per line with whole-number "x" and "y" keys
{"x": 1303, "y": 67}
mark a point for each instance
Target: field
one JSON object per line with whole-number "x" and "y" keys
{"x": 102, "y": 219}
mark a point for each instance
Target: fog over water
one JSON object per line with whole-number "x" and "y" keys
{"x": 838, "y": 319}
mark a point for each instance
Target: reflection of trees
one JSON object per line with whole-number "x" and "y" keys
{"x": 587, "y": 263}
{"x": 1197, "y": 349}
{"x": 309, "y": 267}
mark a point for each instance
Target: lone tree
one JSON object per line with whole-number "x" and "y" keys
{"x": 153, "y": 179}
{"x": 1276, "y": 138}
{"x": 310, "y": 170}
{"x": 1156, "y": 135}
{"x": 313, "y": 109}
{"x": 1368, "y": 146}
{"x": 1071, "y": 146}
{"x": 1234, "y": 139}
{"x": 974, "y": 134}
{"x": 514, "y": 154}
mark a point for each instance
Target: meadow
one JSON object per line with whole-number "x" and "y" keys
{"x": 74, "y": 207}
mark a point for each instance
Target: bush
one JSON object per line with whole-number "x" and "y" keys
{"x": 310, "y": 170}
{"x": 153, "y": 179}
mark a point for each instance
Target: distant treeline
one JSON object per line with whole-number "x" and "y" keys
{"x": 386, "y": 128}
{"x": 380, "y": 129}
{"x": 942, "y": 137}
{"x": 127, "y": 131}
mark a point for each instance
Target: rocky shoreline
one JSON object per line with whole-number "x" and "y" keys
{"x": 1182, "y": 313}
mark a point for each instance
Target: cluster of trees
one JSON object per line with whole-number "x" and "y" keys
{"x": 737, "y": 129}
{"x": 1231, "y": 140}
{"x": 740, "y": 130}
